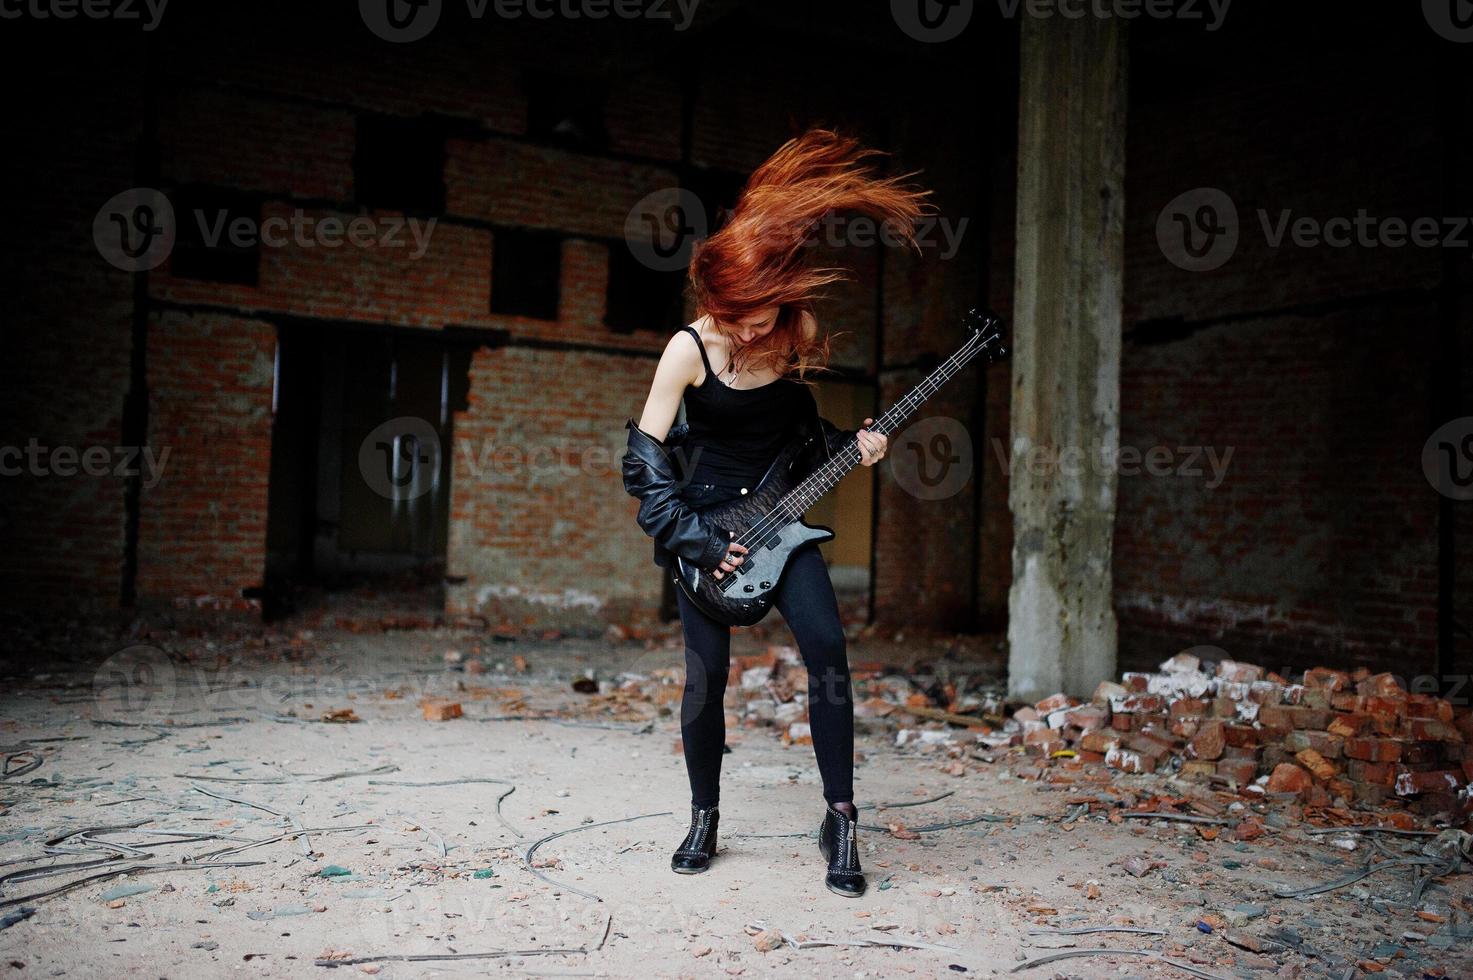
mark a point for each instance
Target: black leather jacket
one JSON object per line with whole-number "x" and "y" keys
{"x": 650, "y": 474}
{"x": 653, "y": 473}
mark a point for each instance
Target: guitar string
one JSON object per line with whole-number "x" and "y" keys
{"x": 944, "y": 373}
{"x": 779, "y": 515}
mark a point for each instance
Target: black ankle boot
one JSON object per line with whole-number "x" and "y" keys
{"x": 695, "y": 852}
{"x": 837, "y": 844}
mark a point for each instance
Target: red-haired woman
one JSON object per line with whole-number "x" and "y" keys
{"x": 754, "y": 286}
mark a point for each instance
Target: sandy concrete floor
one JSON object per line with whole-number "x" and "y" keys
{"x": 138, "y": 736}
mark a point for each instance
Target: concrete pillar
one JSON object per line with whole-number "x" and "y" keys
{"x": 1066, "y": 354}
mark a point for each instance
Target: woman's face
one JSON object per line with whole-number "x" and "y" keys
{"x": 757, "y": 325}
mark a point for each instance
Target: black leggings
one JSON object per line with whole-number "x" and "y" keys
{"x": 806, "y": 600}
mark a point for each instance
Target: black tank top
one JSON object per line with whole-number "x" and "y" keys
{"x": 736, "y": 433}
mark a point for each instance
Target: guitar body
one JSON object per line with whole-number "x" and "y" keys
{"x": 743, "y": 597}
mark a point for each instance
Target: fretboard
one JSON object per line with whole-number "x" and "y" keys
{"x": 824, "y": 478}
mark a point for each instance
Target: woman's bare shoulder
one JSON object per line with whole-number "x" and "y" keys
{"x": 682, "y": 356}
{"x": 810, "y": 326}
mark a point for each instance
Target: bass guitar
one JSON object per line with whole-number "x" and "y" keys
{"x": 769, "y": 519}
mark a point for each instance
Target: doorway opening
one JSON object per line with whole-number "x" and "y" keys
{"x": 359, "y": 502}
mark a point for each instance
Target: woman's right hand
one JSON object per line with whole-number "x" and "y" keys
{"x": 732, "y": 559}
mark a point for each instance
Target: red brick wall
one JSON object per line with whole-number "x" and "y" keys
{"x": 253, "y": 142}
{"x": 1318, "y": 546}
{"x": 924, "y": 547}
{"x": 203, "y": 526}
{"x": 69, "y": 314}
{"x": 277, "y": 124}
{"x": 541, "y": 528}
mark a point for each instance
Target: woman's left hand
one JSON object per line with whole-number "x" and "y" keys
{"x": 872, "y": 445}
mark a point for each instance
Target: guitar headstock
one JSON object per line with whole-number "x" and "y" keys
{"x": 987, "y": 328}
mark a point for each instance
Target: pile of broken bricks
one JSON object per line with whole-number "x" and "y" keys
{"x": 1353, "y": 737}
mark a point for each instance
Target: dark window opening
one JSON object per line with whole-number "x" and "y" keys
{"x": 564, "y": 110}
{"x": 641, "y": 298}
{"x": 217, "y": 236}
{"x": 399, "y": 164}
{"x": 525, "y": 273}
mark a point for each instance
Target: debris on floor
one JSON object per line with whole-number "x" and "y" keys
{"x": 1330, "y": 740}
{"x": 1169, "y": 824}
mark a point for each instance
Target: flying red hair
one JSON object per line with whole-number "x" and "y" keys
{"x": 760, "y": 257}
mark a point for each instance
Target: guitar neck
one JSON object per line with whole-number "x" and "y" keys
{"x": 826, "y": 477}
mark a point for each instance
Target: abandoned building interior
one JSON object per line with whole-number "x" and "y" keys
{"x": 357, "y": 397}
